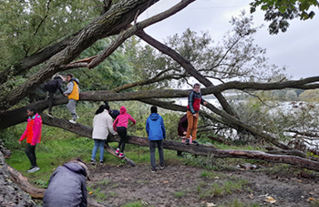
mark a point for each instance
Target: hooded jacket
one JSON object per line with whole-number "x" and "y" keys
{"x": 122, "y": 119}
{"x": 102, "y": 123}
{"x": 182, "y": 126}
{"x": 73, "y": 89}
{"x": 33, "y": 130}
{"x": 67, "y": 187}
{"x": 54, "y": 84}
{"x": 155, "y": 127}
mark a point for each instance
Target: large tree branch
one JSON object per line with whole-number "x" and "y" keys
{"x": 118, "y": 17}
{"x": 17, "y": 116}
{"x": 187, "y": 66}
{"x": 196, "y": 150}
{"x": 133, "y": 29}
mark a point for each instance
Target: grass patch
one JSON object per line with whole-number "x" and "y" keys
{"x": 221, "y": 189}
{"x": 179, "y": 194}
{"x": 211, "y": 175}
{"x": 137, "y": 204}
{"x": 237, "y": 203}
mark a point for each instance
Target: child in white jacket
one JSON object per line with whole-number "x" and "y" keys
{"x": 102, "y": 123}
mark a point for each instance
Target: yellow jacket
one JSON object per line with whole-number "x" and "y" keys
{"x": 75, "y": 92}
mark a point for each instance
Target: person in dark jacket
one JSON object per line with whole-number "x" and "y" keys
{"x": 194, "y": 101}
{"x": 52, "y": 86}
{"x": 113, "y": 112}
{"x": 67, "y": 186}
{"x": 182, "y": 129}
{"x": 156, "y": 133}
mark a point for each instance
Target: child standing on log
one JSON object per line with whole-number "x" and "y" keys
{"x": 120, "y": 126}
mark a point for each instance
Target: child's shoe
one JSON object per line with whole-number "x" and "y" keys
{"x": 122, "y": 155}
{"x": 153, "y": 170}
{"x": 117, "y": 151}
{"x": 92, "y": 162}
{"x": 101, "y": 162}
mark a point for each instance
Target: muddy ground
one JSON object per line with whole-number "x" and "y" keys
{"x": 180, "y": 185}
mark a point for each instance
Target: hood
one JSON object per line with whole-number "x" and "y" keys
{"x": 75, "y": 79}
{"x": 75, "y": 167}
{"x": 154, "y": 116}
{"x": 122, "y": 110}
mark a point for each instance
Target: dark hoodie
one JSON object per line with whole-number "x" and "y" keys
{"x": 54, "y": 84}
{"x": 182, "y": 125}
{"x": 67, "y": 187}
{"x": 155, "y": 127}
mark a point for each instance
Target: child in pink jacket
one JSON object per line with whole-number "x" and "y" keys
{"x": 33, "y": 135}
{"x": 120, "y": 126}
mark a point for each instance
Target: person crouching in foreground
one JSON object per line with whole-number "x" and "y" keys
{"x": 67, "y": 186}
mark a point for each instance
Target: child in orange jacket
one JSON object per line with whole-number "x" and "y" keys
{"x": 33, "y": 135}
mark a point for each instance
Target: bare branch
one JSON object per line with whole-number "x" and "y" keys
{"x": 134, "y": 29}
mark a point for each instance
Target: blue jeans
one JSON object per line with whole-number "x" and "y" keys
{"x": 98, "y": 143}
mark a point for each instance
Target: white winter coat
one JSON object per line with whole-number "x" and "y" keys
{"x": 102, "y": 123}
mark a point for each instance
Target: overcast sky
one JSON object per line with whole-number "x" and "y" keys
{"x": 296, "y": 49}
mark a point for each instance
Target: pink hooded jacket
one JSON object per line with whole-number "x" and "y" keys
{"x": 33, "y": 130}
{"x": 122, "y": 119}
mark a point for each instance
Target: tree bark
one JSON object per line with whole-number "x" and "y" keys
{"x": 219, "y": 139}
{"x": 204, "y": 150}
{"x": 114, "y": 20}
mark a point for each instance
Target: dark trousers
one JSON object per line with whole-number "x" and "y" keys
{"x": 122, "y": 131}
{"x": 51, "y": 99}
{"x": 30, "y": 151}
{"x": 152, "y": 145}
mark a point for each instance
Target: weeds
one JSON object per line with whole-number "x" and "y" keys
{"x": 179, "y": 194}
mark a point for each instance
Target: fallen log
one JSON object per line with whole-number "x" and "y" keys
{"x": 219, "y": 139}
{"x": 24, "y": 184}
{"x": 112, "y": 151}
{"x": 287, "y": 152}
{"x": 196, "y": 150}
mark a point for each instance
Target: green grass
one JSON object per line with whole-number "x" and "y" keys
{"x": 179, "y": 194}
{"x": 237, "y": 203}
{"x": 222, "y": 188}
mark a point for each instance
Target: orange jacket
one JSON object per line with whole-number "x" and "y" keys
{"x": 75, "y": 92}
{"x": 33, "y": 130}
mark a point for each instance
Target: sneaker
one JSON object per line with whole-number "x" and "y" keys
{"x": 50, "y": 115}
{"x": 195, "y": 143}
{"x": 101, "y": 162}
{"x": 153, "y": 170}
{"x": 122, "y": 154}
{"x": 162, "y": 167}
{"x": 117, "y": 151}
{"x": 72, "y": 121}
{"x": 33, "y": 169}
{"x": 92, "y": 162}
{"x": 187, "y": 141}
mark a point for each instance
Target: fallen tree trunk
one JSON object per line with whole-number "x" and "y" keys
{"x": 219, "y": 139}
{"x": 204, "y": 150}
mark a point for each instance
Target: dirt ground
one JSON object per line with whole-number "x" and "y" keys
{"x": 180, "y": 185}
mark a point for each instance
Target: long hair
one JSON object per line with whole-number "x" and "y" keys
{"x": 100, "y": 110}
{"x": 32, "y": 109}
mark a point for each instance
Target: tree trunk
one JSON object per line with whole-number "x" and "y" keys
{"x": 204, "y": 150}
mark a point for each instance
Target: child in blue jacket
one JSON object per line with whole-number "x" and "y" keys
{"x": 156, "y": 133}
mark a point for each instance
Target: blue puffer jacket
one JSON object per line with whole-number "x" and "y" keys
{"x": 155, "y": 127}
{"x": 66, "y": 187}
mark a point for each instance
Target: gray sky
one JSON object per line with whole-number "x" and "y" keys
{"x": 296, "y": 49}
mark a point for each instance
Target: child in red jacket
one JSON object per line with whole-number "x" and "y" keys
{"x": 33, "y": 135}
{"x": 120, "y": 126}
